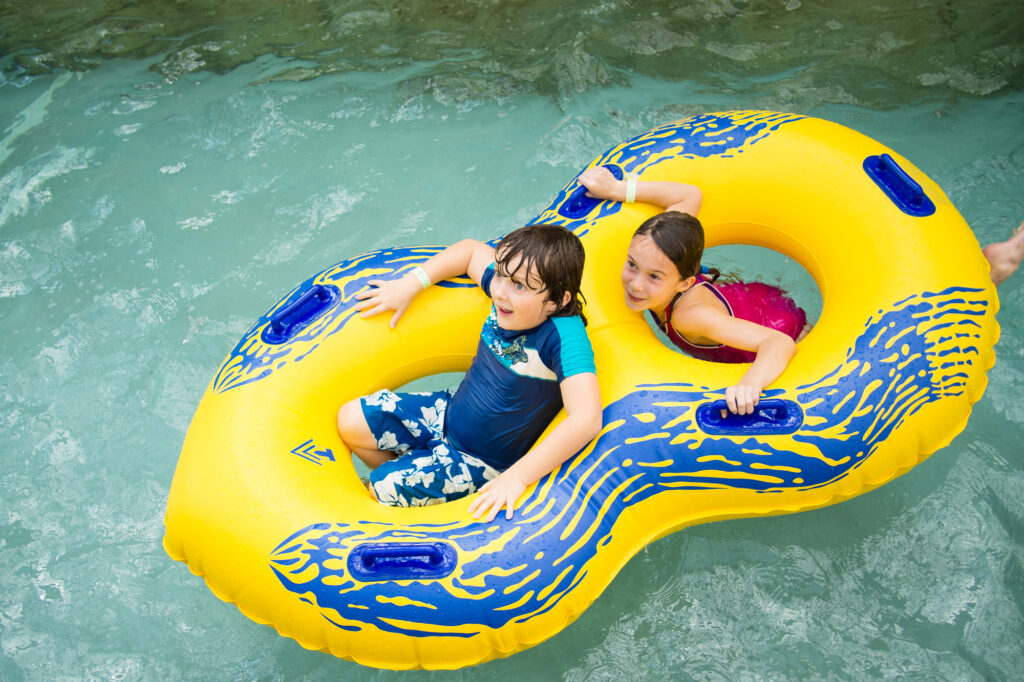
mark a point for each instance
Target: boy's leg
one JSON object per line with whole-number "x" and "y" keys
{"x": 424, "y": 477}
{"x": 382, "y": 426}
{"x": 354, "y": 430}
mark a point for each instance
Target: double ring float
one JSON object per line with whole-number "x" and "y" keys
{"x": 267, "y": 507}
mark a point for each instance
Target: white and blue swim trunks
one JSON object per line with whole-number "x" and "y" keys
{"x": 428, "y": 470}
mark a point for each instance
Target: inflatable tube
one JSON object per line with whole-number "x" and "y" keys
{"x": 266, "y": 505}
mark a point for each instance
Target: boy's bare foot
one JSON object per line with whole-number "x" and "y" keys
{"x": 1005, "y": 257}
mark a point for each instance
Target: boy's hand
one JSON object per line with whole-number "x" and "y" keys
{"x": 390, "y": 294}
{"x": 601, "y": 184}
{"x": 502, "y": 491}
{"x": 742, "y": 398}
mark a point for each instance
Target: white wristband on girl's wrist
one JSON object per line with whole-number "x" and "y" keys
{"x": 631, "y": 179}
{"x": 422, "y": 276}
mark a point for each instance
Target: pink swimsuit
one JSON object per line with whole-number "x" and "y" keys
{"x": 753, "y": 301}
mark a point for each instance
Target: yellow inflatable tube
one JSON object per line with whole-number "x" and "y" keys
{"x": 266, "y": 505}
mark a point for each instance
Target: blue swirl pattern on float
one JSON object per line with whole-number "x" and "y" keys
{"x": 511, "y": 571}
{"x": 253, "y": 359}
{"x": 698, "y": 137}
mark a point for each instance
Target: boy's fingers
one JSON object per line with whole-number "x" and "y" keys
{"x": 495, "y": 509}
{"x": 481, "y": 507}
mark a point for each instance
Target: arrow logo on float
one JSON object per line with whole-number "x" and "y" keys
{"x": 308, "y": 451}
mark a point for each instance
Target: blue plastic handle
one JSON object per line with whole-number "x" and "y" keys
{"x": 287, "y": 322}
{"x": 901, "y": 189}
{"x": 579, "y": 204}
{"x": 771, "y": 416}
{"x": 376, "y": 561}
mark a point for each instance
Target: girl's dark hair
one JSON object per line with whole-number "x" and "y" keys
{"x": 556, "y": 256}
{"x": 680, "y": 236}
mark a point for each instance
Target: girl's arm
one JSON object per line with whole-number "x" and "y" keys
{"x": 774, "y": 350}
{"x": 467, "y": 256}
{"x": 672, "y": 196}
{"x": 582, "y": 399}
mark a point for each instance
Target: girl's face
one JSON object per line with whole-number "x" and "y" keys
{"x": 649, "y": 278}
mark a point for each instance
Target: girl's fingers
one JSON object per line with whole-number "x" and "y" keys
{"x": 379, "y": 308}
{"x": 372, "y": 289}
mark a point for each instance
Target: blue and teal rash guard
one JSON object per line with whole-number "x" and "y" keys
{"x": 512, "y": 390}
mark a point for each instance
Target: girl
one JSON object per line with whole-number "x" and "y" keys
{"x": 737, "y": 322}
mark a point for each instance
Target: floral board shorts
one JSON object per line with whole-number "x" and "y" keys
{"x": 428, "y": 470}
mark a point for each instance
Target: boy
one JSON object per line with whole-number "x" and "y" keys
{"x": 533, "y": 357}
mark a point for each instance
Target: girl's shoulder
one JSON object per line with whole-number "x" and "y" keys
{"x": 699, "y": 314}
{"x": 698, "y": 300}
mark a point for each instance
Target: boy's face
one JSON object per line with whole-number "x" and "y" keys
{"x": 520, "y": 298}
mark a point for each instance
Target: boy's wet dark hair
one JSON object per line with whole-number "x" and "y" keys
{"x": 554, "y": 254}
{"x": 680, "y": 237}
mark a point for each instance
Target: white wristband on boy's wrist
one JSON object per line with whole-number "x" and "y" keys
{"x": 422, "y": 276}
{"x": 631, "y": 179}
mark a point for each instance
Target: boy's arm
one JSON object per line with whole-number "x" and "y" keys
{"x": 673, "y": 196}
{"x": 582, "y": 399}
{"x": 467, "y": 256}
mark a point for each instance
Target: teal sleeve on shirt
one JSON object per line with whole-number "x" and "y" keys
{"x": 577, "y": 356}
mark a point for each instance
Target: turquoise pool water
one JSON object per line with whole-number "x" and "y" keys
{"x": 168, "y": 171}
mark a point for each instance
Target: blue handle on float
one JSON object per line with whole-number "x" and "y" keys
{"x": 297, "y": 315}
{"x": 401, "y": 560}
{"x": 579, "y": 204}
{"x": 771, "y": 416}
{"x": 902, "y": 189}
